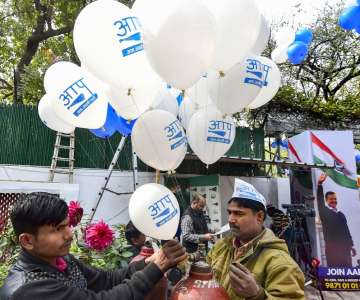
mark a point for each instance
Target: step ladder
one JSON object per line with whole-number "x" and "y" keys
{"x": 105, "y": 188}
{"x": 65, "y": 145}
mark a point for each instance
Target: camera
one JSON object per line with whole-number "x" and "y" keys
{"x": 299, "y": 210}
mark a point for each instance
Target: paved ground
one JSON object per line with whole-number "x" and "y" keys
{"x": 313, "y": 294}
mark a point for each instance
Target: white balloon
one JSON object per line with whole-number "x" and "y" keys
{"x": 109, "y": 40}
{"x": 263, "y": 37}
{"x": 50, "y": 118}
{"x": 284, "y": 36}
{"x": 182, "y": 49}
{"x": 166, "y": 100}
{"x": 154, "y": 210}
{"x": 272, "y": 82}
{"x": 75, "y": 95}
{"x": 279, "y": 55}
{"x": 159, "y": 140}
{"x": 186, "y": 110}
{"x": 130, "y": 104}
{"x": 238, "y": 26}
{"x": 238, "y": 87}
{"x": 199, "y": 93}
{"x": 154, "y": 13}
{"x": 52, "y": 73}
{"x": 210, "y": 134}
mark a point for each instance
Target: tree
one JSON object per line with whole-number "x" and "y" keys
{"x": 326, "y": 86}
{"x": 33, "y": 34}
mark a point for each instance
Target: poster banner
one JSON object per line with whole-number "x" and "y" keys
{"x": 336, "y": 198}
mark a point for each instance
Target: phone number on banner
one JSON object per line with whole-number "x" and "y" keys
{"x": 342, "y": 286}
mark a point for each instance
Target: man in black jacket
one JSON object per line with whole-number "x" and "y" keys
{"x": 46, "y": 271}
{"x": 193, "y": 225}
{"x": 339, "y": 245}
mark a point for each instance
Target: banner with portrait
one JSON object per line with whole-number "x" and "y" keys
{"x": 336, "y": 200}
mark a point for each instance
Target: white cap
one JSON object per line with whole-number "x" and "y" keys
{"x": 245, "y": 190}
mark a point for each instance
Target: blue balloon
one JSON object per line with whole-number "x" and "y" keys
{"x": 284, "y": 144}
{"x": 103, "y": 132}
{"x": 297, "y": 52}
{"x": 304, "y": 34}
{"x": 274, "y": 144}
{"x": 350, "y": 17}
{"x": 357, "y": 158}
{"x": 109, "y": 128}
{"x": 124, "y": 126}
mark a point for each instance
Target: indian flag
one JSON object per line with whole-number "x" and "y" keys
{"x": 323, "y": 154}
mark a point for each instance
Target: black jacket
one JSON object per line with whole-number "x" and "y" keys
{"x": 335, "y": 227}
{"x": 200, "y": 227}
{"x": 34, "y": 279}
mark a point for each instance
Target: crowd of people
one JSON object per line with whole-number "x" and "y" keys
{"x": 250, "y": 262}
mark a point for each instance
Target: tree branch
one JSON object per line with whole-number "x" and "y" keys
{"x": 7, "y": 85}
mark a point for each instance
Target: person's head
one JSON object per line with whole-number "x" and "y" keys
{"x": 41, "y": 224}
{"x": 198, "y": 202}
{"x": 134, "y": 236}
{"x": 246, "y": 217}
{"x": 331, "y": 199}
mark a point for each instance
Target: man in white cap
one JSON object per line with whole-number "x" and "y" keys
{"x": 252, "y": 263}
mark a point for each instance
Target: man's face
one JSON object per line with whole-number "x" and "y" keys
{"x": 244, "y": 223}
{"x": 201, "y": 203}
{"x": 52, "y": 241}
{"x": 331, "y": 200}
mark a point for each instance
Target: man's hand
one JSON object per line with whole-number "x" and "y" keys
{"x": 353, "y": 252}
{"x": 243, "y": 282}
{"x": 322, "y": 178}
{"x": 208, "y": 237}
{"x": 169, "y": 255}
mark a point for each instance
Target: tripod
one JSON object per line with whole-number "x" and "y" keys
{"x": 297, "y": 239}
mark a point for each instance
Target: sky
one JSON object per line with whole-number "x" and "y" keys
{"x": 289, "y": 9}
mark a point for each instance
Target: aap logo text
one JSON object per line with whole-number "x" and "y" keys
{"x": 78, "y": 97}
{"x": 162, "y": 211}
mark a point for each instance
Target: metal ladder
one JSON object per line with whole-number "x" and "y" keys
{"x": 70, "y": 147}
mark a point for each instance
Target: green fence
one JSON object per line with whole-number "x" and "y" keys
{"x": 25, "y": 140}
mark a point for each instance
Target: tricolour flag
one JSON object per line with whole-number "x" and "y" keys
{"x": 323, "y": 154}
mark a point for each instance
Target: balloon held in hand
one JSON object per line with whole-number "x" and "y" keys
{"x": 154, "y": 210}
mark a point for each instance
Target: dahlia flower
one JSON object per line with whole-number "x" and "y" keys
{"x": 75, "y": 213}
{"x": 99, "y": 236}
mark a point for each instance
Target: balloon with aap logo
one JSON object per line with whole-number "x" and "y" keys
{"x": 159, "y": 140}
{"x": 210, "y": 134}
{"x": 271, "y": 84}
{"x": 154, "y": 210}
{"x": 76, "y": 96}
{"x": 108, "y": 39}
{"x": 238, "y": 87}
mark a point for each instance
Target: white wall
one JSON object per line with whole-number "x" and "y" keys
{"x": 113, "y": 208}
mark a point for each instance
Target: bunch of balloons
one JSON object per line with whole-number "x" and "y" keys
{"x": 293, "y": 48}
{"x": 350, "y": 17}
{"x": 168, "y": 72}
